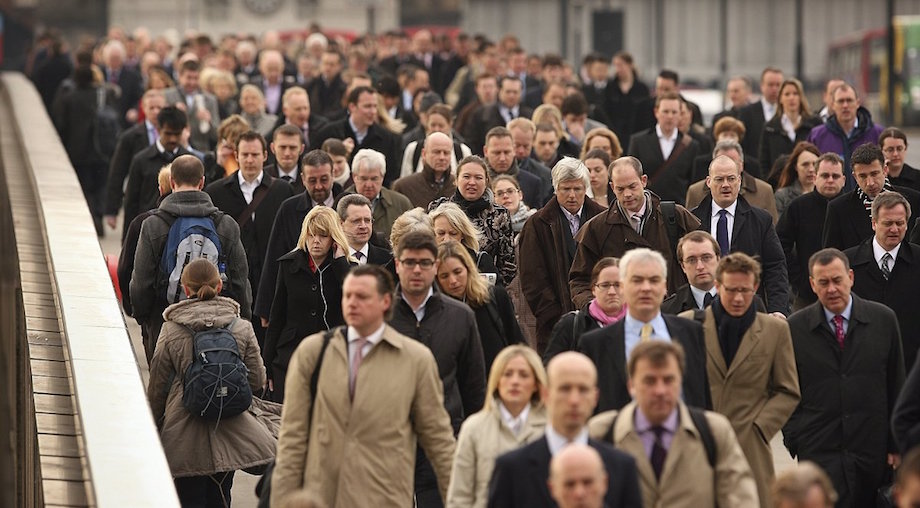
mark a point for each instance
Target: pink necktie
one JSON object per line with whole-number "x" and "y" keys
{"x": 838, "y": 330}
{"x": 356, "y": 359}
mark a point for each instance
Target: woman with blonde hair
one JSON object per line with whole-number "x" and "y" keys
{"x": 602, "y": 139}
{"x": 203, "y": 456}
{"x": 791, "y": 124}
{"x": 495, "y": 316}
{"x": 549, "y": 114}
{"x": 252, "y": 109}
{"x": 450, "y": 223}
{"x": 308, "y": 292}
{"x": 513, "y": 415}
{"x": 474, "y": 197}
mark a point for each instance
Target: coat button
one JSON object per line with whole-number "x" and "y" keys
{"x": 313, "y": 287}
{"x": 313, "y": 313}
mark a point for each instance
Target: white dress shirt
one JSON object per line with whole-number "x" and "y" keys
{"x": 730, "y": 217}
{"x": 362, "y": 260}
{"x": 699, "y": 295}
{"x": 878, "y": 251}
{"x": 249, "y": 188}
{"x": 557, "y": 442}
{"x": 514, "y": 423}
{"x": 666, "y": 143}
{"x": 372, "y": 340}
{"x": 768, "y": 109}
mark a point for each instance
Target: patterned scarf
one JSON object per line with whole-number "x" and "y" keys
{"x": 867, "y": 201}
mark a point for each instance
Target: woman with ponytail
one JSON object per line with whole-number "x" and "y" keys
{"x": 308, "y": 292}
{"x": 203, "y": 456}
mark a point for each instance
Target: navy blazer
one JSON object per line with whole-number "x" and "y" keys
{"x": 753, "y": 234}
{"x": 519, "y": 478}
{"x": 607, "y": 348}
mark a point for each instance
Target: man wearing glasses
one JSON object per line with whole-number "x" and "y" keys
{"x": 750, "y": 364}
{"x": 739, "y": 227}
{"x": 369, "y": 169}
{"x": 894, "y": 145}
{"x": 448, "y": 327}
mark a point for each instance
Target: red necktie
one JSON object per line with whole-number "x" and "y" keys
{"x": 838, "y": 330}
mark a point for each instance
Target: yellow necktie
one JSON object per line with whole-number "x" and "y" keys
{"x": 646, "y": 333}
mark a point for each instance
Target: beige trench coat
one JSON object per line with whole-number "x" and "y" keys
{"x": 362, "y": 453}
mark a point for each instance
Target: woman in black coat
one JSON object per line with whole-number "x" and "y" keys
{"x": 606, "y": 308}
{"x": 792, "y": 123}
{"x": 495, "y": 315}
{"x": 308, "y": 293}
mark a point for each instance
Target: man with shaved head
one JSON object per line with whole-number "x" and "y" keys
{"x": 577, "y": 478}
{"x": 434, "y": 180}
{"x": 519, "y": 478}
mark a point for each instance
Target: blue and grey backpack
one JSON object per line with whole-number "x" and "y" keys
{"x": 189, "y": 238}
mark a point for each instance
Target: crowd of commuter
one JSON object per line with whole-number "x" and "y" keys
{"x": 458, "y": 274}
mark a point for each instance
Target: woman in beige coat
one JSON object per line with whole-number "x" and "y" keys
{"x": 203, "y": 454}
{"x": 512, "y": 417}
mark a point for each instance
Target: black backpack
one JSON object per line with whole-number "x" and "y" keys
{"x": 217, "y": 382}
{"x": 698, "y": 417}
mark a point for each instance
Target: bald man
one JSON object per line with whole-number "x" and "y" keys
{"x": 577, "y": 478}
{"x": 434, "y": 180}
{"x": 519, "y": 478}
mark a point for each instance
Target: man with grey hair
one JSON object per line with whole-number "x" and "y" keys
{"x": 739, "y": 227}
{"x": 886, "y": 267}
{"x": 126, "y": 77}
{"x": 756, "y": 191}
{"x": 643, "y": 276}
{"x": 355, "y": 213}
{"x": 368, "y": 169}
{"x": 637, "y": 218}
{"x": 273, "y": 83}
{"x": 547, "y": 246}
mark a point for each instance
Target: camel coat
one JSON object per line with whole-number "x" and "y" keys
{"x": 483, "y": 437}
{"x": 758, "y": 392}
{"x": 687, "y": 481}
{"x": 365, "y": 450}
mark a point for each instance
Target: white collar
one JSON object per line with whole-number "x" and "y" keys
{"x": 162, "y": 149}
{"x": 730, "y": 208}
{"x": 372, "y": 339}
{"x": 255, "y": 183}
{"x": 878, "y": 251}
{"x": 557, "y": 442}
{"x": 513, "y": 421}
{"x": 292, "y": 173}
{"x": 672, "y": 137}
{"x": 699, "y": 294}
{"x": 362, "y": 250}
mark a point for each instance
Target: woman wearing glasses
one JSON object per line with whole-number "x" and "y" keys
{"x": 508, "y": 193}
{"x": 607, "y": 307}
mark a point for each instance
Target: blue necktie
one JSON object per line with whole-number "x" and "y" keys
{"x": 722, "y": 232}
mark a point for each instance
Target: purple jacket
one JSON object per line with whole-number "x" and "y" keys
{"x": 830, "y": 137}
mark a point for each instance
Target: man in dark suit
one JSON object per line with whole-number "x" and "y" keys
{"x": 295, "y": 103}
{"x": 755, "y": 115}
{"x": 851, "y": 369}
{"x": 499, "y": 152}
{"x": 666, "y": 153}
{"x": 893, "y": 142}
{"x": 141, "y": 193}
{"x": 355, "y": 212}
{"x": 886, "y": 268}
{"x": 547, "y": 246}
{"x": 272, "y": 82}
{"x": 801, "y": 226}
{"x": 666, "y": 83}
{"x": 519, "y": 477}
{"x": 327, "y": 90}
{"x": 287, "y": 147}
{"x": 643, "y": 275}
{"x": 738, "y": 90}
{"x": 201, "y": 106}
{"x": 316, "y": 171}
{"x": 488, "y": 116}
{"x": 361, "y": 126}
{"x": 130, "y": 142}
{"x": 698, "y": 254}
{"x": 517, "y": 68}
{"x": 126, "y": 77}
{"x": 739, "y": 227}
{"x": 847, "y": 222}
{"x": 425, "y": 52}
{"x": 252, "y": 197}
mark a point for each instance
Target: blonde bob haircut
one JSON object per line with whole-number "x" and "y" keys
{"x": 498, "y": 367}
{"x": 477, "y": 289}
{"x": 323, "y": 221}
{"x": 457, "y": 218}
{"x": 412, "y": 220}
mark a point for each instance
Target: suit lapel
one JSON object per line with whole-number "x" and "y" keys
{"x": 741, "y": 215}
{"x": 616, "y": 348}
{"x": 233, "y": 183}
{"x": 539, "y": 459}
{"x": 713, "y": 349}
